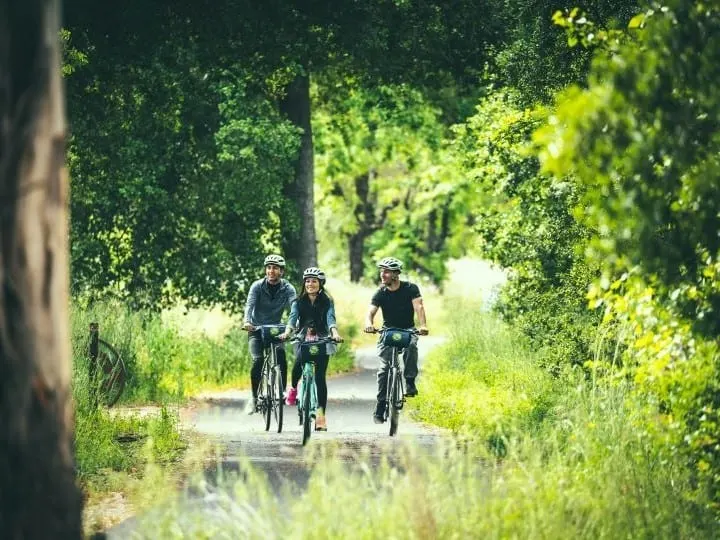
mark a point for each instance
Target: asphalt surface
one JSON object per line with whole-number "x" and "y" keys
{"x": 281, "y": 456}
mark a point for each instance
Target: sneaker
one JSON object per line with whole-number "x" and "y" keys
{"x": 320, "y": 423}
{"x": 291, "y": 397}
{"x": 410, "y": 388}
{"x": 251, "y": 406}
{"x": 379, "y": 414}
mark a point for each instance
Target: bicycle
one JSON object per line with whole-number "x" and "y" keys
{"x": 107, "y": 370}
{"x": 397, "y": 339}
{"x": 307, "y": 389}
{"x": 270, "y": 399}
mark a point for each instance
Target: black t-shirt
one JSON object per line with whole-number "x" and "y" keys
{"x": 396, "y": 306}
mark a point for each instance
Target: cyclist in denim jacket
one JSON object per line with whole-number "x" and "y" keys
{"x": 313, "y": 315}
{"x": 400, "y": 302}
{"x": 266, "y": 302}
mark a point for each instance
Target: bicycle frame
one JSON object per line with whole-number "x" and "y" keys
{"x": 307, "y": 390}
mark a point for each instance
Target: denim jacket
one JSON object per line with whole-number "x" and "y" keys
{"x": 261, "y": 308}
{"x": 295, "y": 313}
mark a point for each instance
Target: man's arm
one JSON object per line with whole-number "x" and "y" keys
{"x": 420, "y": 313}
{"x": 372, "y": 310}
{"x": 250, "y": 306}
{"x": 292, "y": 295}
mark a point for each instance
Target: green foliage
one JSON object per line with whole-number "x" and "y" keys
{"x": 534, "y": 57}
{"x": 380, "y": 155}
{"x": 483, "y": 380}
{"x": 579, "y": 454}
{"x": 525, "y": 223}
{"x": 586, "y": 469}
{"x": 164, "y": 363}
{"x": 642, "y": 141}
{"x": 177, "y": 196}
{"x": 105, "y": 443}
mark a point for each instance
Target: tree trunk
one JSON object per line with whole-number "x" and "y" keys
{"x": 356, "y": 250}
{"x": 38, "y": 495}
{"x": 299, "y": 240}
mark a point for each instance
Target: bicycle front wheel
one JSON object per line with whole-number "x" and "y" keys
{"x": 394, "y": 409}
{"x": 267, "y": 402}
{"x": 307, "y": 420}
{"x": 278, "y": 401}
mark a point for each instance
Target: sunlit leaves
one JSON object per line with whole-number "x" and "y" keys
{"x": 642, "y": 140}
{"x": 381, "y": 169}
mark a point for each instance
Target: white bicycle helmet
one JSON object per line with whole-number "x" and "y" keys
{"x": 390, "y": 263}
{"x": 277, "y": 260}
{"x": 315, "y": 273}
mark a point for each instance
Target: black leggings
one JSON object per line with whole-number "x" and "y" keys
{"x": 321, "y": 364}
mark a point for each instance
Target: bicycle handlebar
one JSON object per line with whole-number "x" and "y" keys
{"x": 316, "y": 341}
{"x": 381, "y": 330}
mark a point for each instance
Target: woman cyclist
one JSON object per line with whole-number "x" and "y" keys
{"x": 313, "y": 313}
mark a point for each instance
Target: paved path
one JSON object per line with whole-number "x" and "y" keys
{"x": 281, "y": 455}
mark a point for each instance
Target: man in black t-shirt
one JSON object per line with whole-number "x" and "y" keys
{"x": 399, "y": 301}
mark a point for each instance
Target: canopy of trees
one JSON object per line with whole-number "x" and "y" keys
{"x": 575, "y": 145}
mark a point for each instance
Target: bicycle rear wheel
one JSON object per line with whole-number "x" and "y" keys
{"x": 307, "y": 420}
{"x": 394, "y": 411}
{"x": 112, "y": 373}
{"x": 278, "y": 401}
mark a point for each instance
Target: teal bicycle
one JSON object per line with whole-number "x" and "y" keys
{"x": 308, "y": 351}
{"x": 270, "y": 399}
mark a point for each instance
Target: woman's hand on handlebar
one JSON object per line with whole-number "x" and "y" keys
{"x": 335, "y": 335}
{"x": 249, "y": 327}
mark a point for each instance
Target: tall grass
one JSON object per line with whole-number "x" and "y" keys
{"x": 577, "y": 461}
{"x": 588, "y": 474}
{"x": 165, "y": 362}
{"x": 483, "y": 380}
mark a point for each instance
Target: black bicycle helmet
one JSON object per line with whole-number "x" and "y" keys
{"x": 277, "y": 260}
{"x": 390, "y": 263}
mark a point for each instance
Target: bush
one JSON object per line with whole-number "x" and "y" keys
{"x": 484, "y": 379}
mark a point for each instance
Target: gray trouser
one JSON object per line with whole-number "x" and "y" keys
{"x": 409, "y": 357}
{"x": 257, "y": 352}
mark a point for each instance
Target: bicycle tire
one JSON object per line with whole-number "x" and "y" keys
{"x": 300, "y": 394}
{"x": 279, "y": 402}
{"x": 394, "y": 412}
{"x": 307, "y": 420}
{"x": 112, "y": 371}
{"x": 267, "y": 383}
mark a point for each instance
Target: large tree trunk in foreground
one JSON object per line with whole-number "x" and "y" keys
{"x": 300, "y": 242}
{"x": 38, "y": 494}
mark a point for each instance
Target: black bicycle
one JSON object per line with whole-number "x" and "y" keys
{"x": 397, "y": 339}
{"x": 107, "y": 370}
{"x": 270, "y": 398}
